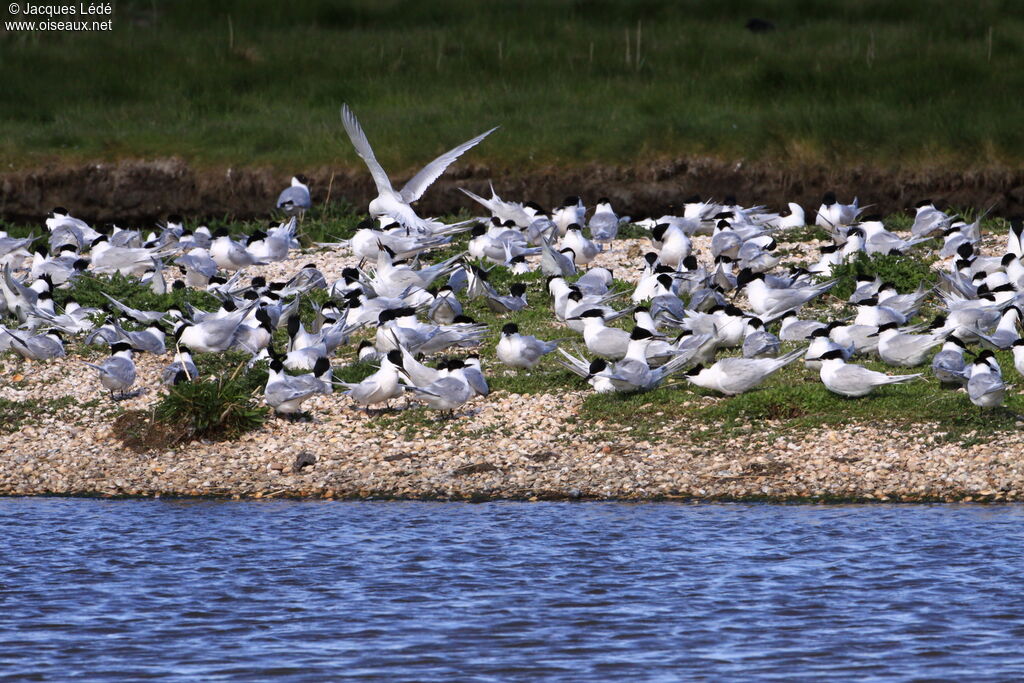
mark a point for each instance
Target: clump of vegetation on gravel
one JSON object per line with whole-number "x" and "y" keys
{"x": 221, "y": 406}
{"x": 88, "y": 290}
{"x": 905, "y": 271}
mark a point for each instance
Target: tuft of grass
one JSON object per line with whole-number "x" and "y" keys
{"x": 88, "y": 290}
{"x": 218, "y": 408}
{"x": 807, "y": 233}
{"x": 905, "y": 271}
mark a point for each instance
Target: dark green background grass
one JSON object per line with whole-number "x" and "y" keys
{"x": 259, "y": 82}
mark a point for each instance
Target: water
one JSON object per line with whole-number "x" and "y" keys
{"x": 205, "y": 590}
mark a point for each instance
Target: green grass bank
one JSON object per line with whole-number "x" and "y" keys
{"x": 255, "y": 82}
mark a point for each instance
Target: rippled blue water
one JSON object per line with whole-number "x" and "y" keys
{"x": 205, "y": 590}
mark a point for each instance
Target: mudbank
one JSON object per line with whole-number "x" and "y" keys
{"x": 140, "y": 191}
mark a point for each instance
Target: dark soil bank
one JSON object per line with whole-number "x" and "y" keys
{"x": 148, "y": 190}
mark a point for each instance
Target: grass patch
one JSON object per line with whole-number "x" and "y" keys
{"x": 794, "y": 401}
{"x": 905, "y": 271}
{"x": 17, "y": 414}
{"x": 807, "y": 233}
{"x": 217, "y": 408}
{"x": 88, "y": 290}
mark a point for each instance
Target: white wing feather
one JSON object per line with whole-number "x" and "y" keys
{"x": 419, "y": 183}
{"x": 363, "y": 149}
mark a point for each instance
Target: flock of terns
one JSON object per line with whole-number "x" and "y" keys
{"x": 685, "y": 311}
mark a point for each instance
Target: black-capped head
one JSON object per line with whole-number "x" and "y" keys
{"x": 463, "y": 320}
{"x": 888, "y": 326}
{"x": 869, "y": 301}
{"x": 276, "y": 365}
{"x": 651, "y": 258}
{"x": 117, "y": 347}
{"x": 695, "y": 370}
{"x": 665, "y": 280}
{"x": 510, "y": 328}
{"x": 592, "y": 313}
{"x": 832, "y": 354}
{"x": 394, "y": 356}
{"x": 820, "y": 332}
{"x": 639, "y": 333}
{"x": 829, "y": 198}
{"x": 965, "y": 250}
{"x": 478, "y": 231}
{"x": 517, "y": 289}
{"x": 733, "y": 311}
{"x": 598, "y": 365}
{"x": 321, "y": 366}
{"x": 264, "y": 319}
{"x": 745, "y": 277}
{"x": 690, "y": 262}
{"x": 756, "y": 323}
{"x": 571, "y": 201}
{"x": 659, "y": 230}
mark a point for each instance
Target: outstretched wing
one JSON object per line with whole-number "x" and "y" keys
{"x": 419, "y": 183}
{"x": 363, "y": 149}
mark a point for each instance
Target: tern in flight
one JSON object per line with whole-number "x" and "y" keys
{"x": 396, "y": 205}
